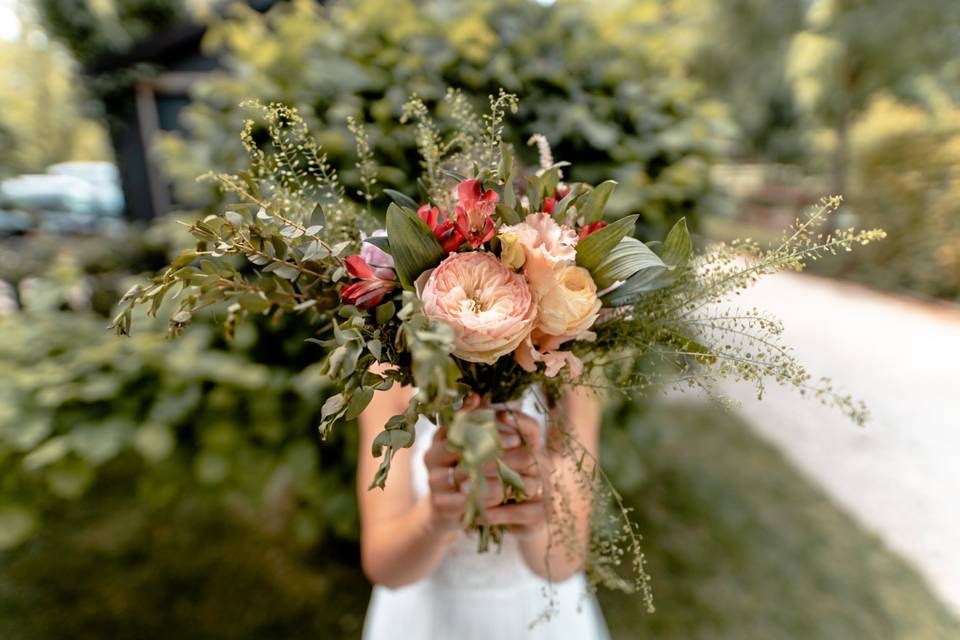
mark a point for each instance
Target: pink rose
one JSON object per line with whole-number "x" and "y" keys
{"x": 490, "y": 308}
{"x": 546, "y": 245}
{"x": 474, "y": 212}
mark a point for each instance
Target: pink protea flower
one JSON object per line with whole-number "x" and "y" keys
{"x": 375, "y": 283}
{"x": 474, "y": 212}
{"x": 445, "y": 231}
{"x": 490, "y": 308}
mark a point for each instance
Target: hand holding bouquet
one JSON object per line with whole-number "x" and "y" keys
{"x": 495, "y": 278}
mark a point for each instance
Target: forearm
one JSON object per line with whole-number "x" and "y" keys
{"x": 558, "y": 549}
{"x": 404, "y": 549}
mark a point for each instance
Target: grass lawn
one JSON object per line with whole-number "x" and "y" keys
{"x": 739, "y": 545}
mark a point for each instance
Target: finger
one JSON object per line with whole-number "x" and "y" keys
{"x": 496, "y": 493}
{"x": 509, "y": 438}
{"x": 526, "y": 426}
{"x": 439, "y": 479}
{"x": 449, "y": 503}
{"x": 439, "y": 454}
{"x": 528, "y": 512}
{"x": 471, "y": 402}
{"x": 520, "y": 460}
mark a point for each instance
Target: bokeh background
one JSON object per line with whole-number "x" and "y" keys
{"x": 158, "y": 489}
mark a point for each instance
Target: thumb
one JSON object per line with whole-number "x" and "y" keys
{"x": 471, "y": 402}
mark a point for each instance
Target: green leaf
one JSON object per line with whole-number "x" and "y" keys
{"x": 385, "y": 312}
{"x": 508, "y": 214}
{"x": 16, "y": 525}
{"x": 398, "y": 438}
{"x": 474, "y": 435}
{"x": 414, "y": 248}
{"x": 402, "y": 199}
{"x": 317, "y": 218}
{"x": 595, "y": 247}
{"x": 234, "y": 218}
{"x": 675, "y": 252}
{"x": 69, "y": 478}
{"x": 592, "y": 210}
{"x": 375, "y": 347}
{"x": 282, "y": 269}
{"x": 560, "y": 212}
{"x": 626, "y": 259}
{"x": 254, "y": 303}
{"x": 643, "y": 281}
{"x": 182, "y": 260}
{"x": 677, "y": 246}
{"x": 380, "y": 242}
{"x": 534, "y": 193}
{"x": 506, "y": 163}
{"x": 333, "y": 405}
{"x": 510, "y": 478}
{"x": 358, "y": 402}
{"x": 47, "y": 453}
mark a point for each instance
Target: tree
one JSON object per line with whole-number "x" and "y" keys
{"x": 852, "y": 49}
{"x": 45, "y": 118}
{"x": 602, "y": 95}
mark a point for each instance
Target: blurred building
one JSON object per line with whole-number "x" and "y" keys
{"x": 164, "y": 67}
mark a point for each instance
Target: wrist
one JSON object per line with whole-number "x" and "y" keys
{"x": 434, "y": 526}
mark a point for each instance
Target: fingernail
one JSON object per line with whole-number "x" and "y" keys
{"x": 510, "y": 441}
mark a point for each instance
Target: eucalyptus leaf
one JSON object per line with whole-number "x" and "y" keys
{"x": 234, "y": 218}
{"x": 283, "y": 270}
{"x": 358, "y": 402}
{"x": 385, "y": 312}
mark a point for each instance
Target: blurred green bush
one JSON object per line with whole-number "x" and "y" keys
{"x": 613, "y": 106}
{"x": 905, "y": 178}
{"x": 198, "y": 416}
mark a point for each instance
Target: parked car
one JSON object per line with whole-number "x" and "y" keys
{"x": 72, "y": 197}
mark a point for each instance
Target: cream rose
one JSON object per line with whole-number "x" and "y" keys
{"x": 511, "y": 251}
{"x": 490, "y": 308}
{"x": 570, "y": 306}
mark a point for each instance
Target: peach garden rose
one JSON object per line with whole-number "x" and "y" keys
{"x": 490, "y": 308}
{"x": 545, "y": 245}
{"x": 570, "y": 306}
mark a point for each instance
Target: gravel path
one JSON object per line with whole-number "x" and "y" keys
{"x": 900, "y": 475}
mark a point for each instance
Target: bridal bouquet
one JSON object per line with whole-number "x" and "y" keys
{"x": 494, "y": 278}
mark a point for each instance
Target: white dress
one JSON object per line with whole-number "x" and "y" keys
{"x": 493, "y": 595}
